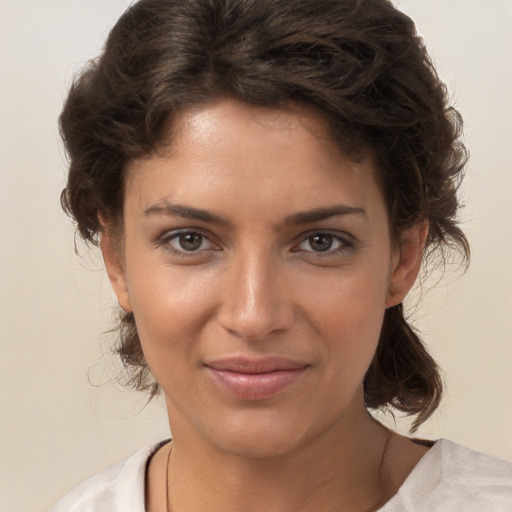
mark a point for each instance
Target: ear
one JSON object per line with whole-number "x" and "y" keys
{"x": 109, "y": 245}
{"x": 406, "y": 263}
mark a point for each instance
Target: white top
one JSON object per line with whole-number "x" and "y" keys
{"x": 449, "y": 478}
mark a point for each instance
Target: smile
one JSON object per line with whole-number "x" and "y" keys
{"x": 255, "y": 379}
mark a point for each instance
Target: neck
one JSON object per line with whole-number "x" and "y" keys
{"x": 341, "y": 469}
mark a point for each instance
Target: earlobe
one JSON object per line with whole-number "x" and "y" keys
{"x": 115, "y": 268}
{"x": 407, "y": 264}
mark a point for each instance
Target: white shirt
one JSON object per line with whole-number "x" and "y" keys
{"x": 449, "y": 478}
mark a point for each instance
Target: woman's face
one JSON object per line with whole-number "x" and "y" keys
{"x": 258, "y": 264}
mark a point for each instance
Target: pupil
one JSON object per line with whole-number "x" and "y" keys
{"x": 191, "y": 241}
{"x": 321, "y": 243}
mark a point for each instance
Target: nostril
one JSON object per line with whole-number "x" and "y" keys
{"x": 256, "y": 323}
{"x": 253, "y": 301}
{"x": 254, "y": 320}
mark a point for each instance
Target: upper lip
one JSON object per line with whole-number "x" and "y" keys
{"x": 255, "y": 365}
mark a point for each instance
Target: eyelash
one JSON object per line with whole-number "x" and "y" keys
{"x": 345, "y": 245}
{"x": 167, "y": 238}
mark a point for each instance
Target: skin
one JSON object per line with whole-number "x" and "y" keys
{"x": 254, "y": 281}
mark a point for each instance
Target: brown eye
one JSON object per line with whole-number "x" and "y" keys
{"x": 190, "y": 241}
{"x": 325, "y": 243}
{"x": 321, "y": 242}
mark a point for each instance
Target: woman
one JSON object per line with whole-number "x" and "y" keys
{"x": 265, "y": 179}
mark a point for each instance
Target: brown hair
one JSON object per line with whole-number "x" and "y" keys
{"x": 358, "y": 62}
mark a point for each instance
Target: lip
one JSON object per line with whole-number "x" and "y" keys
{"x": 255, "y": 379}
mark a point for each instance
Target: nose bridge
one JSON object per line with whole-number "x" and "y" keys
{"x": 255, "y": 302}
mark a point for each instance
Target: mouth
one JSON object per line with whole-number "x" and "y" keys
{"x": 255, "y": 379}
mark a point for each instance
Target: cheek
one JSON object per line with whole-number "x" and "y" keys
{"x": 170, "y": 310}
{"x": 348, "y": 317}
{"x": 348, "y": 301}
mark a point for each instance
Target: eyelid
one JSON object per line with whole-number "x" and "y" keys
{"x": 347, "y": 241}
{"x": 165, "y": 239}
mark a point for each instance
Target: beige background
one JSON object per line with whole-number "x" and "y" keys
{"x": 63, "y": 417}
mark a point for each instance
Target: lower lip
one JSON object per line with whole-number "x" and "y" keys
{"x": 256, "y": 386}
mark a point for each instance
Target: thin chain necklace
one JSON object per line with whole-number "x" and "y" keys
{"x": 167, "y": 499}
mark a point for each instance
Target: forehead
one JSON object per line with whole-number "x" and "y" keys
{"x": 223, "y": 119}
{"x": 251, "y": 155}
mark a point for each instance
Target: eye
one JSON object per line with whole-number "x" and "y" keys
{"x": 324, "y": 242}
{"x": 321, "y": 242}
{"x": 184, "y": 242}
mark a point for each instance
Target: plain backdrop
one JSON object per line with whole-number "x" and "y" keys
{"x": 63, "y": 415}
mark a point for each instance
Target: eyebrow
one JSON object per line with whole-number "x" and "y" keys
{"x": 323, "y": 213}
{"x": 306, "y": 217}
{"x": 187, "y": 212}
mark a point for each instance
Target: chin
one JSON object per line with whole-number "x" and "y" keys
{"x": 265, "y": 435}
{"x": 262, "y": 445}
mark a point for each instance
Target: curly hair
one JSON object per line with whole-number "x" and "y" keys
{"x": 360, "y": 63}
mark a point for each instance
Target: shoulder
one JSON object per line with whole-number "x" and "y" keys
{"x": 474, "y": 465}
{"x": 467, "y": 468}
{"x": 451, "y": 477}
{"x": 116, "y": 488}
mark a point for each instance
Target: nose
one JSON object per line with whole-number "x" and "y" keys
{"x": 255, "y": 299}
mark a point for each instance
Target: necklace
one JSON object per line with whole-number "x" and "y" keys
{"x": 167, "y": 500}
{"x": 167, "y": 497}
